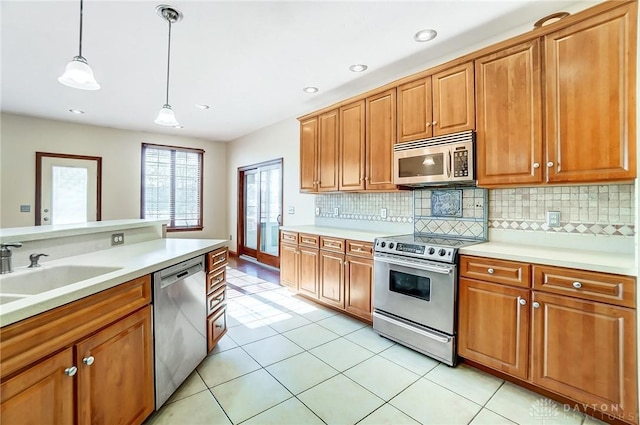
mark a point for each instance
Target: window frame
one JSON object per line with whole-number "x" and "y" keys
{"x": 171, "y": 224}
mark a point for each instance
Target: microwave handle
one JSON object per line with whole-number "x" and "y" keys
{"x": 449, "y": 166}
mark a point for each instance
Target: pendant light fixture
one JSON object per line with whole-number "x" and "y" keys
{"x": 78, "y": 73}
{"x": 166, "y": 116}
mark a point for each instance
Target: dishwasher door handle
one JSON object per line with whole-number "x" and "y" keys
{"x": 180, "y": 275}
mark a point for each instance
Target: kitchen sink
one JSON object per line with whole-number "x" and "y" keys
{"x": 35, "y": 281}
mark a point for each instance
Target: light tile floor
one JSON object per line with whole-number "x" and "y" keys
{"x": 286, "y": 360}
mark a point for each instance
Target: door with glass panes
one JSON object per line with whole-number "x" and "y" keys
{"x": 260, "y": 211}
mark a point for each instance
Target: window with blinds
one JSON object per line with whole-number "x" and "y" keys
{"x": 172, "y": 186}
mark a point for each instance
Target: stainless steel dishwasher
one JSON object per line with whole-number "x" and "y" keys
{"x": 179, "y": 320}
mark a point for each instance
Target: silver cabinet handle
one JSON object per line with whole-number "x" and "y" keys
{"x": 522, "y": 301}
{"x": 536, "y": 165}
{"x": 490, "y": 271}
{"x": 88, "y": 360}
{"x": 549, "y": 164}
{"x": 70, "y": 371}
{"x": 536, "y": 305}
{"x": 577, "y": 285}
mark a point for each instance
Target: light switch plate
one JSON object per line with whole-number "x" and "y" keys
{"x": 553, "y": 218}
{"x": 25, "y": 208}
{"x": 336, "y": 211}
{"x": 317, "y": 210}
{"x": 291, "y": 210}
{"x": 383, "y": 213}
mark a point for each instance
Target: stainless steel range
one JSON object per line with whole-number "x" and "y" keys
{"x": 415, "y": 288}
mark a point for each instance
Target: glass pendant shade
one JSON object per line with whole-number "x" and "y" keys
{"x": 166, "y": 117}
{"x": 79, "y": 75}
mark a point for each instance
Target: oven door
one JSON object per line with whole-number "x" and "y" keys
{"x": 420, "y": 291}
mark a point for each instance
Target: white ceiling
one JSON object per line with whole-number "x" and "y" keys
{"x": 248, "y": 60}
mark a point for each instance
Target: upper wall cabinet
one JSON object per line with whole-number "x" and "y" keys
{"x": 438, "y": 104}
{"x": 509, "y": 109}
{"x": 588, "y": 133}
{"x": 590, "y": 92}
{"x": 319, "y": 153}
{"x": 352, "y": 146}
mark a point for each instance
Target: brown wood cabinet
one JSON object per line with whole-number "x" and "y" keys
{"x": 590, "y": 92}
{"x": 574, "y": 334}
{"x": 586, "y": 351}
{"x": 357, "y": 285}
{"x": 328, "y": 151}
{"x": 352, "y": 146}
{"x": 435, "y": 105}
{"x": 493, "y": 326}
{"x": 380, "y": 128}
{"x": 587, "y": 75}
{"x": 509, "y": 112}
{"x": 289, "y": 265}
{"x": 309, "y": 281}
{"x": 331, "y": 289}
{"x": 309, "y": 155}
{"x": 216, "y": 295}
{"x": 91, "y": 362}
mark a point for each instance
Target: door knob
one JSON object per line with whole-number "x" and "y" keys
{"x": 536, "y": 165}
{"x": 70, "y": 371}
{"x": 577, "y": 285}
{"x": 490, "y": 271}
{"x": 522, "y": 301}
{"x": 549, "y": 164}
{"x": 536, "y": 305}
{"x": 88, "y": 360}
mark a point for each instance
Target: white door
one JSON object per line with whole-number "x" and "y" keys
{"x": 69, "y": 190}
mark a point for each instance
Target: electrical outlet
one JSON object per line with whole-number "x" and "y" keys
{"x": 383, "y": 213}
{"x": 291, "y": 210}
{"x": 553, "y": 218}
{"x": 25, "y": 208}
{"x": 230, "y": 237}
{"x": 317, "y": 210}
{"x": 336, "y": 211}
{"x": 117, "y": 239}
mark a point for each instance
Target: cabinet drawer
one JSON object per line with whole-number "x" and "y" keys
{"x": 360, "y": 249}
{"x": 217, "y": 259}
{"x": 216, "y": 327}
{"x": 216, "y": 299}
{"x": 215, "y": 279}
{"x": 608, "y": 288}
{"x": 332, "y": 244}
{"x": 288, "y": 237}
{"x": 496, "y": 271}
{"x": 305, "y": 239}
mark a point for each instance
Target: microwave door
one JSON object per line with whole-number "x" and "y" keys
{"x": 423, "y": 165}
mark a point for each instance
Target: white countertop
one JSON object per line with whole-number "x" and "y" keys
{"x": 337, "y": 232}
{"x": 134, "y": 260}
{"x": 617, "y": 263}
{"x": 32, "y": 233}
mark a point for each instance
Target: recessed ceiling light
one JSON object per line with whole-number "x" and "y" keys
{"x": 425, "y": 35}
{"x": 358, "y": 68}
{"x": 76, "y": 111}
{"x": 202, "y": 106}
{"x": 310, "y": 90}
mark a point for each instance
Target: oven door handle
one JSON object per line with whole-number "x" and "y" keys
{"x": 422, "y": 332}
{"x": 426, "y": 267}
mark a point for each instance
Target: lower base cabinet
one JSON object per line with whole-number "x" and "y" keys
{"x": 216, "y": 326}
{"x": 216, "y": 296}
{"x": 358, "y": 293}
{"x": 308, "y": 271}
{"x": 332, "y": 279}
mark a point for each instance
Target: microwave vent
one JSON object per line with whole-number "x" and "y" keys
{"x": 464, "y": 136}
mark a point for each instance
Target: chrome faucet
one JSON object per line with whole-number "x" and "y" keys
{"x": 34, "y": 259}
{"x": 5, "y": 256}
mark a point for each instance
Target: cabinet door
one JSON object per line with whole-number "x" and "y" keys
{"x": 414, "y": 110}
{"x": 380, "y": 138}
{"x": 454, "y": 100}
{"x": 332, "y": 278}
{"x": 328, "y": 151}
{"x": 289, "y": 266}
{"x": 115, "y": 372}
{"x": 494, "y": 326}
{"x": 308, "y": 154}
{"x": 216, "y": 327}
{"x": 590, "y": 96}
{"x": 586, "y": 351}
{"x": 308, "y": 269}
{"x": 352, "y": 137}
{"x": 358, "y": 289}
{"x": 42, "y": 394}
{"x": 509, "y": 108}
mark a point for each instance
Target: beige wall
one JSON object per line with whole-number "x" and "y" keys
{"x": 22, "y": 136}
{"x": 280, "y": 140}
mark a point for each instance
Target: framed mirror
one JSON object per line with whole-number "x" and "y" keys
{"x": 68, "y": 188}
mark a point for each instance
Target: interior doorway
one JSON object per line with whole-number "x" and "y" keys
{"x": 260, "y": 211}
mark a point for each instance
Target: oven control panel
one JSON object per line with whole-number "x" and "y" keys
{"x": 417, "y": 250}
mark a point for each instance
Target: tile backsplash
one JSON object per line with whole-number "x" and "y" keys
{"x": 595, "y": 209}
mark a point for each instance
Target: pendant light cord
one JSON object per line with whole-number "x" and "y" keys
{"x": 168, "y": 59}
{"x": 80, "y": 49}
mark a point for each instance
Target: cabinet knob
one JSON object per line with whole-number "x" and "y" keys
{"x": 490, "y": 271}
{"x": 536, "y": 165}
{"x": 434, "y": 122}
{"x": 577, "y": 285}
{"x": 366, "y": 179}
{"x": 522, "y": 301}
{"x": 428, "y": 124}
{"x": 536, "y": 305}
{"x": 550, "y": 164}
{"x": 88, "y": 360}
{"x": 71, "y": 371}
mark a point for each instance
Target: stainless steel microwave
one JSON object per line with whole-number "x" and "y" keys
{"x": 439, "y": 161}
